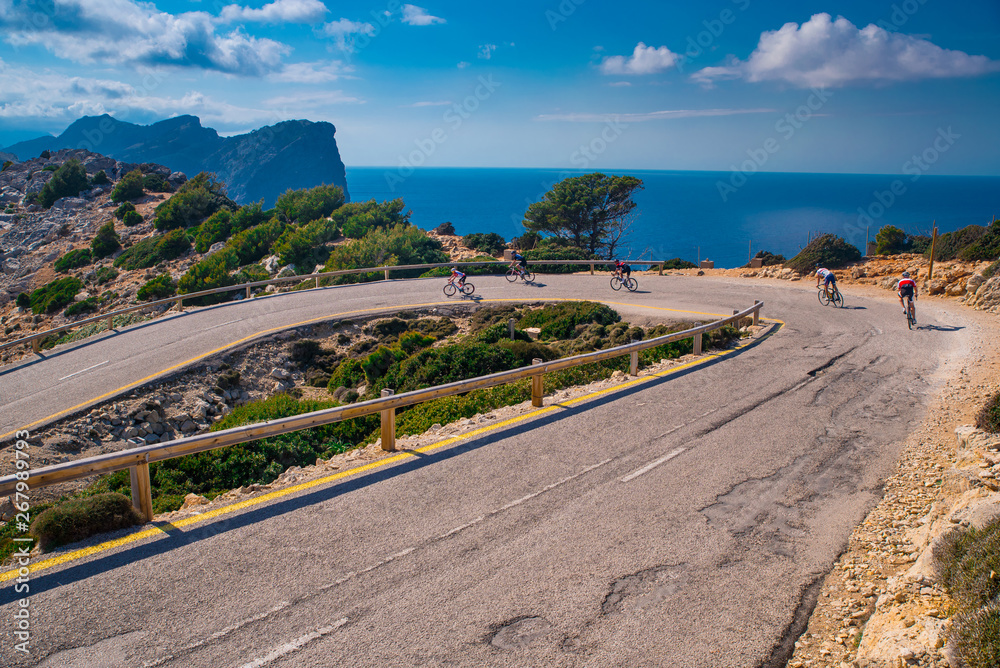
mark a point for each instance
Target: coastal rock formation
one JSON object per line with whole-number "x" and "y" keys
{"x": 259, "y": 165}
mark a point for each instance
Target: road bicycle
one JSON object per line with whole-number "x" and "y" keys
{"x": 513, "y": 273}
{"x": 466, "y": 288}
{"x": 830, "y": 296}
{"x": 911, "y": 314}
{"x": 630, "y": 283}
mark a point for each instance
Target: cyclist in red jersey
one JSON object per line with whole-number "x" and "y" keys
{"x": 907, "y": 287}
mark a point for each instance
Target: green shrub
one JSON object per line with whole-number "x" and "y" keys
{"x": 216, "y": 228}
{"x": 444, "y": 364}
{"x": 552, "y": 252}
{"x": 193, "y": 202}
{"x": 255, "y": 243}
{"x": 124, "y": 208}
{"x": 347, "y": 374}
{"x": 357, "y": 219}
{"x": 79, "y": 257}
{"x": 105, "y": 274}
{"x": 6, "y": 164}
{"x": 411, "y": 342}
{"x": 767, "y": 259}
{"x": 100, "y": 179}
{"x": 131, "y": 219}
{"x": 950, "y": 244}
{"x": 106, "y": 241}
{"x": 211, "y": 272}
{"x": 304, "y": 246}
{"x": 67, "y": 181}
{"x": 160, "y": 287}
{"x": 153, "y": 250}
{"x": 128, "y": 188}
{"x": 82, "y": 518}
{"x": 828, "y": 250}
{"x": 991, "y": 270}
{"x": 306, "y": 205}
{"x": 987, "y": 247}
{"x": 975, "y": 635}
{"x": 247, "y": 216}
{"x": 304, "y": 351}
{"x": 88, "y": 305}
{"x": 55, "y": 295}
{"x": 154, "y": 183}
{"x": 401, "y": 244}
{"x": 919, "y": 244}
{"x": 988, "y": 418}
{"x": 559, "y": 321}
{"x": 490, "y": 243}
{"x": 890, "y": 240}
{"x": 251, "y": 274}
{"x": 23, "y": 300}
{"x": 678, "y": 263}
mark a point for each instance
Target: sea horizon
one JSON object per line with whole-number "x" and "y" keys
{"x": 699, "y": 214}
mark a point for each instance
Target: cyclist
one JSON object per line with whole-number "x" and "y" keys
{"x": 825, "y": 275}
{"x": 622, "y": 270}
{"x": 518, "y": 262}
{"x": 907, "y": 287}
{"x": 457, "y": 275}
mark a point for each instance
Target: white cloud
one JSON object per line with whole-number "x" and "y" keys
{"x": 123, "y": 32}
{"x": 647, "y": 116}
{"x": 312, "y": 73}
{"x": 644, "y": 60}
{"x": 417, "y": 105}
{"x": 343, "y": 30}
{"x": 418, "y": 16}
{"x": 312, "y": 100}
{"x": 486, "y": 51}
{"x": 279, "y": 11}
{"x": 462, "y": 65}
{"x": 826, "y": 52}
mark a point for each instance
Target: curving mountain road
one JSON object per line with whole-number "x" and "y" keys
{"x": 681, "y": 522}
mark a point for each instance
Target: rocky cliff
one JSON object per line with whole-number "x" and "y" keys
{"x": 258, "y": 165}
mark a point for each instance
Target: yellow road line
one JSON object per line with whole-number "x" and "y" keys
{"x": 277, "y": 494}
{"x": 179, "y": 365}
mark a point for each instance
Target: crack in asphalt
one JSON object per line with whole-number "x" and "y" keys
{"x": 782, "y": 650}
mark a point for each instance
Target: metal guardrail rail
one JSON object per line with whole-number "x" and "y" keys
{"x": 137, "y": 460}
{"x": 36, "y": 338}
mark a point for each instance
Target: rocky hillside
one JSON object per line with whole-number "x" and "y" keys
{"x": 259, "y": 165}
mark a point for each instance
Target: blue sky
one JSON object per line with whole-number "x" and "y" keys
{"x": 727, "y": 85}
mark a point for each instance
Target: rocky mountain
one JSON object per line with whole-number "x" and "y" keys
{"x": 258, "y": 165}
{"x": 4, "y": 157}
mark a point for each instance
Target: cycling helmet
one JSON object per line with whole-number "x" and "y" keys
{"x": 906, "y": 274}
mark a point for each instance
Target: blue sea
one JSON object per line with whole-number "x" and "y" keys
{"x": 688, "y": 215}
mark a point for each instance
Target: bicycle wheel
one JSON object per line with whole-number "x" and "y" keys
{"x": 468, "y": 288}
{"x": 449, "y": 289}
{"x": 616, "y": 283}
{"x": 911, "y": 317}
{"x": 631, "y": 284}
{"x": 824, "y": 298}
{"x": 528, "y": 277}
{"x": 838, "y": 299}
{"x": 511, "y": 275}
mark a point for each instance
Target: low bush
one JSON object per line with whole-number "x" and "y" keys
{"x": 81, "y": 518}
{"x": 357, "y": 219}
{"x": 309, "y": 204}
{"x": 988, "y": 418}
{"x": 950, "y": 244}
{"x": 105, "y": 242}
{"x": 124, "y": 208}
{"x": 304, "y": 246}
{"x": 828, "y": 250}
{"x": 53, "y": 296}
{"x": 193, "y": 202}
{"x": 968, "y": 561}
{"x": 153, "y": 250}
{"x": 678, "y": 263}
{"x": 398, "y": 245}
{"x": 128, "y": 188}
{"x": 987, "y": 247}
{"x": 251, "y": 274}
{"x": 131, "y": 219}
{"x": 100, "y": 179}
{"x": 559, "y": 321}
{"x": 23, "y": 300}
{"x": 67, "y": 181}
{"x": 890, "y": 240}
{"x": 160, "y": 287}
{"x": 154, "y": 183}
{"x": 490, "y": 243}
{"x": 88, "y": 305}
{"x": 767, "y": 259}
{"x": 211, "y": 272}
{"x": 79, "y": 257}
{"x": 255, "y": 243}
{"x": 105, "y": 274}
{"x": 216, "y": 228}
{"x": 249, "y": 215}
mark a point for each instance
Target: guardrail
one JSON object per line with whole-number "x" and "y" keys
{"x": 36, "y": 339}
{"x": 137, "y": 460}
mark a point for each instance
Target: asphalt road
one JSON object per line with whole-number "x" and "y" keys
{"x": 681, "y": 522}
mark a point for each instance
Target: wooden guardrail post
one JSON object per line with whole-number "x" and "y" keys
{"x": 142, "y": 493}
{"x": 387, "y": 274}
{"x": 696, "y": 348}
{"x": 111, "y": 322}
{"x": 36, "y": 345}
{"x": 388, "y": 424}
{"x": 633, "y": 363}
{"x": 510, "y": 326}
{"x": 537, "y": 386}
{"x": 591, "y": 268}
{"x": 317, "y": 281}
{"x": 659, "y": 272}
{"x": 756, "y": 313}
{"x": 248, "y": 292}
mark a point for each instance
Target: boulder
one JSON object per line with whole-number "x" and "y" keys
{"x": 193, "y": 501}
